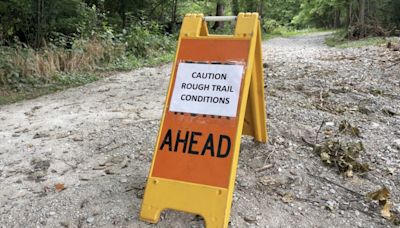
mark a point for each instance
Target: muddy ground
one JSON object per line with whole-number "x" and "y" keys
{"x": 80, "y": 158}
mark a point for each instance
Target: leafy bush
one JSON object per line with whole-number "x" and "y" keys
{"x": 147, "y": 39}
{"x": 270, "y": 25}
{"x": 23, "y": 67}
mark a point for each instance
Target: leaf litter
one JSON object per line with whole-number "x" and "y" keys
{"x": 340, "y": 154}
{"x": 382, "y": 196}
{"x": 343, "y": 155}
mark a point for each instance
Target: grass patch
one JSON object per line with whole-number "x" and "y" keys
{"x": 339, "y": 40}
{"x": 27, "y": 73}
{"x": 369, "y": 41}
{"x": 64, "y": 80}
{"x": 127, "y": 63}
{"x": 289, "y": 32}
{"x": 59, "y": 82}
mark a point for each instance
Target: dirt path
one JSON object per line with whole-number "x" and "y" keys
{"x": 97, "y": 142}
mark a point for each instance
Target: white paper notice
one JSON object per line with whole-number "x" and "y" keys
{"x": 210, "y": 89}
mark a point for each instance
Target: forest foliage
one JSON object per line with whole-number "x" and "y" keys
{"x": 43, "y": 39}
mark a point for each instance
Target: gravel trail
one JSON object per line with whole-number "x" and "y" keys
{"x": 80, "y": 157}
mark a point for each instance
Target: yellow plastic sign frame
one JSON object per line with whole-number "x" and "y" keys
{"x": 213, "y": 203}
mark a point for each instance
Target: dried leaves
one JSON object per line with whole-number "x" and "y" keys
{"x": 59, "y": 187}
{"x": 288, "y": 197}
{"x": 346, "y": 128}
{"x": 383, "y": 196}
{"x": 342, "y": 155}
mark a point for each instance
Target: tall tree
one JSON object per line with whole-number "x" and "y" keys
{"x": 121, "y": 12}
{"x": 173, "y": 15}
{"x": 235, "y": 7}
{"x": 361, "y": 16}
{"x": 219, "y": 11}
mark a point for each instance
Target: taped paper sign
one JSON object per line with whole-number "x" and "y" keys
{"x": 210, "y": 89}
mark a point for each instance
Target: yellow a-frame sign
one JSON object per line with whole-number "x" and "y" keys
{"x": 216, "y": 93}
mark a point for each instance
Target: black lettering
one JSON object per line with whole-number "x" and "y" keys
{"x": 167, "y": 140}
{"x": 184, "y": 141}
{"x": 193, "y": 141}
{"x": 228, "y": 146}
{"x": 209, "y": 145}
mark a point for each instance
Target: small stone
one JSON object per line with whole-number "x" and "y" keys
{"x": 102, "y": 162}
{"x": 109, "y": 171}
{"x": 357, "y": 213}
{"x": 374, "y": 125}
{"x": 90, "y": 220}
{"x": 330, "y": 205}
{"x": 77, "y": 138}
{"x": 250, "y": 219}
{"x": 84, "y": 178}
{"x": 332, "y": 191}
{"x": 117, "y": 159}
{"x": 40, "y": 135}
{"x": 396, "y": 144}
{"x": 52, "y": 213}
{"x": 331, "y": 124}
{"x": 124, "y": 180}
{"x": 391, "y": 170}
{"x": 65, "y": 224}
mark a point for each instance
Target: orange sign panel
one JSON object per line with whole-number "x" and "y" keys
{"x": 198, "y": 148}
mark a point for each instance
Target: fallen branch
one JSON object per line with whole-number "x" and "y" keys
{"x": 265, "y": 167}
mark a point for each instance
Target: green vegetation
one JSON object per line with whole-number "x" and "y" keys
{"x": 42, "y": 40}
{"x": 284, "y": 31}
{"x": 342, "y": 43}
{"x": 34, "y": 89}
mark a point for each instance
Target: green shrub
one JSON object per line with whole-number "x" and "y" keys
{"x": 147, "y": 40}
{"x": 270, "y": 25}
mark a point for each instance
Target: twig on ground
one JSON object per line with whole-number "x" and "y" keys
{"x": 107, "y": 144}
{"x": 116, "y": 147}
{"x": 265, "y": 167}
{"x": 339, "y": 185}
{"x": 268, "y": 157}
{"x": 319, "y": 131}
{"x": 394, "y": 64}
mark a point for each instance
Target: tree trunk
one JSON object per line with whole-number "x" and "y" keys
{"x": 122, "y": 12}
{"x": 173, "y": 17}
{"x": 337, "y": 18}
{"x": 235, "y": 7}
{"x": 350, "y": 14}
{"x": 219, "y": 12}
{"x": 261, "y": 9}
{"x": 362, "y": 18}
{"x": 39, "y": 24}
